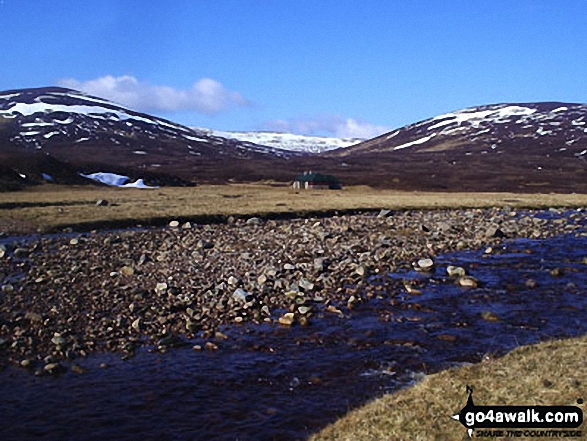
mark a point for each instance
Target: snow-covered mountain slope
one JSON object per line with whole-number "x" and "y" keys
{"x": 540, "y": 128}
{"x": 288, "y": 141}
{"x": 90, "y": 134}
{"x": 40, "y": 118}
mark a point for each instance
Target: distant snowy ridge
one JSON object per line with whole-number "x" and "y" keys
{"x": 286, "y": 141}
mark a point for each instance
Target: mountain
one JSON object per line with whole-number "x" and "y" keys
{"x": 75, "y": 132}
{"x": 537, "y": 128}
{"x": 61, "y": 135}
{"x": 532, "y": 147}
{"x": 288, "y": 141}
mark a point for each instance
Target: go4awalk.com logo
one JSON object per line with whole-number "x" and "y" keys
{"x": 520, "y": 421}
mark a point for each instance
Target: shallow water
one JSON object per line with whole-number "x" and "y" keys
{"x": 269, "y": 382}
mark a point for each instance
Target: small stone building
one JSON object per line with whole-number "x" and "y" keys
{"x": 310, "y": 180}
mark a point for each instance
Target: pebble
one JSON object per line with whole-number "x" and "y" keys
{"x": 174, "y": 224}
{"x": 455, "y": 271}
{"x": 21, "y": 253}
{"x": 287, "y": 319}
{"x": 468, "y": 282}
{"x": 53, "y": 368}
{"x": 531, "y": 283}
{"x": 426, "y": 264}
{"x": 490, "y": 316}
{"x": 126, "y": 271}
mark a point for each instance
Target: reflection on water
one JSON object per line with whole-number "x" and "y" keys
{"x": 268, "y": 382}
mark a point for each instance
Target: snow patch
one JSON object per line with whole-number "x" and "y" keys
{"x": 476, "y": 117}
{"x": 115, "y": 180}
{"x": 416, "y": 142}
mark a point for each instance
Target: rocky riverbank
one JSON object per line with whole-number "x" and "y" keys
{"x": 66, "y": 297}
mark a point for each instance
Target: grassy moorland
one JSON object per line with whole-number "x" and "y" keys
{"x": 52, "y": 207}
{"x": 550, "y": 373}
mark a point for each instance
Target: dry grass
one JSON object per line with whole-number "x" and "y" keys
{"x": 49, "y": 207}
{"x": 551, "y": 373}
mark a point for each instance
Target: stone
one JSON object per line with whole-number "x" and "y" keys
{"x": 306, "y": 285}
{"x": 489, "y": 316}
{"x": 556, "y": 272}
{"x": 74, "y": 241}
{"x": 21, "y": 253}
{"x": 58, "y": 340}
{"x": 289, "y": 267}
{"x": 255, "y": 221}
{"x": 531, "y": 283}
{"x": 8, "y": 288}
{"x": 136, "y": 325}
{"x": 232, "y": 281}
{"x": 494, "y": 231}
{"x": 53, "y": 368}
{"x": 287, "y": 319}
{"x": 455, "y": 271}
{"x": 126, "y": 271}
{"x": 240, "y": 295}
{"x": 468, "y": 282}
{"x": 2, "y": 253}
{"x": 174, "y": 224}
{"x": 33, "y": 317}
{"x": 102, "y": 203}
{"x": 304, "y": 309}
{"x": 186, "y": 226}
{"x": 161, "y": 287}
{"x": 211, "y": 346}
{"x": 411, "y": 290}
{"x": 426, "y": 264}
{"x": 362, "y": 270}
{"x": 334, "y": 310}
{"x": 77, "y": 369}
{"x": 383, "y": 213}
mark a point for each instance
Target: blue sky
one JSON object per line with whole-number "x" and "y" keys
{"x": 331, "y": 67}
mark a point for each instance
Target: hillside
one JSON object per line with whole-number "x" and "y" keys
{"x": 68, "y": 132}
{"x": 56, "y": 135}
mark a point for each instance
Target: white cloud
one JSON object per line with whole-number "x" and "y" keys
{"x": 204, "y": 96}
{"x": 332, "y": 125}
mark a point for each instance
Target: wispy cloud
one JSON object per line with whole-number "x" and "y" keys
{"x": 204, "y": 96}
{"x": 332, "y": 125}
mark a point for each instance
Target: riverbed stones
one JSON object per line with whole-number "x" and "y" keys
{"x": 284, "y": 266}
